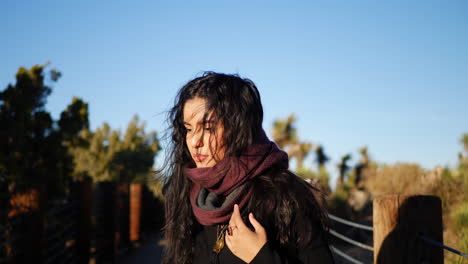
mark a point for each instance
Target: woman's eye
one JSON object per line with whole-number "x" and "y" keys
{"x": 210, "y": 129}
{"x": 188, "y": 130}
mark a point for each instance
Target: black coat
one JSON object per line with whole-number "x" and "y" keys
{"x": 286, "y": 208}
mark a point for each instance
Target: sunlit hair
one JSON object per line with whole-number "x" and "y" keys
{"x": 233, "y": 101}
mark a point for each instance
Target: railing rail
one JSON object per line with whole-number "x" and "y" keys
{"x": 346, "y": 256}
{"x": 351, "y": 241}
{"x": 438, "y": 244}
{"x": 350, "y": 223}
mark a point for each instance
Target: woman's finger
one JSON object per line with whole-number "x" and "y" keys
{"x": 228, "y": 241}
{"x": 256, "y": 225}
{"x": 236, "y": 218}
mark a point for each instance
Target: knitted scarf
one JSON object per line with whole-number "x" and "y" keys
{"x": 216, "y": 189}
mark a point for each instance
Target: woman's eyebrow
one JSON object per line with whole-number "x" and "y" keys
{"x": 201, "y": 122}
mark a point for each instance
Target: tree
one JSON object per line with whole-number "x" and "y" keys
{"x": 284, "y": 131}
{"x": 343, "y": 169}
{"x": 136, "y": 155}
{"x": 321, "y": 157}
{"x": 463, "y": 156}
{"x": 285, "y": 136}
{"x": 109, "y": 157}
{"x": 361, "y": 166}
{"x": 464, "y": 141}
{"x": 32, "y": 145}
{"x": 26, "y": 128}
{"x": 300, "y": 151}
{"x": 73, "y": 120}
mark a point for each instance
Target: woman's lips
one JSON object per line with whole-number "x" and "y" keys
{"x": 200, "y": 157}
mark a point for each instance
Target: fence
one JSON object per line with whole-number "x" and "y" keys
{"x": 92, "y": 222}
{"x": 406, "y": 229}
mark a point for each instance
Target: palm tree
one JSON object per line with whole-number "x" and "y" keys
{"x": 300, "y": 151}
{"x": 284, "y": 131}
{"x": 463, "y": 157}
{"x": 364, "y": 155}
{"x": 343, "y": 168}
{"x": 363, "y": 164}
{"x": 321, "y": 158}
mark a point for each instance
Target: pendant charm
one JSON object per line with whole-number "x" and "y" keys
{"x": 219, "y": 245}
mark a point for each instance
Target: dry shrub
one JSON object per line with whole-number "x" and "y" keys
{"x": 401, "y": 178}
{"x": 450, "y": 186}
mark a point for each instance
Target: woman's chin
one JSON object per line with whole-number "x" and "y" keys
{"x": 205, "y": 164}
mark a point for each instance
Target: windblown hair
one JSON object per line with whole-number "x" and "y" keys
{"x": 236, "y": 103}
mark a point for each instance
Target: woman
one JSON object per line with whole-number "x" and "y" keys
{"x": 230, "y": 197}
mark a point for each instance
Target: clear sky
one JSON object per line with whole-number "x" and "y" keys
{"x": 392, "y": 75}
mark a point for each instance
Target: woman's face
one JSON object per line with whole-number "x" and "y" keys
{"x": 205, "y": 143}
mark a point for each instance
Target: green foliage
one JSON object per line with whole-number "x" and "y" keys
{"x": 459, "y": 220}
{"x": 136, "y": 154}
{"x": 338, "y": 202}
{"x": 306, "y": 173}
{"x": 321, "y": 157}
{"x": 460, "y": 217}
{"x": 32, "y": 146}
{"x": 108, "y": 156}
{"x": 450, "y": 189}
{"x": 284, "y": 131}
{"x": 402, "y": 178}
{"x": 26, "y": 127}
{"x": 286, "y": 137}
{"x": 324, "y": 179}
{"x": 343, "y": 168}
{"x": 73, "y": 120}
{"x": 464, "y": 141}
{"x": 299, "y": 151}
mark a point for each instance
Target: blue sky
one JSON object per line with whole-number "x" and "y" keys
{"x": 392, "y": 75}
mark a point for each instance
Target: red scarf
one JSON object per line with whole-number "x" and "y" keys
{"x": 229, "y": 174}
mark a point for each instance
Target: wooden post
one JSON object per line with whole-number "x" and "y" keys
{"x": 135, "y": 211}
{"x": 28, "y": 205}
{"x": 122, "y": 220}
{"x": 83, "y": 191}
{"x": 4, "y": 200}
{"x": 398, "y": 220}
{"x": 105, "y": 222}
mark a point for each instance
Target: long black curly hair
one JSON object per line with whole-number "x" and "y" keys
{"x": 236, "y": 103}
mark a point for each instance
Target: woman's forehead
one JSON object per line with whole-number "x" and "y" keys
{"x": 195, "y": 110}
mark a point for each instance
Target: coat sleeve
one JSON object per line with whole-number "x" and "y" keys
{"x": 315, "y": 251}
{"x": 312, "y": 254}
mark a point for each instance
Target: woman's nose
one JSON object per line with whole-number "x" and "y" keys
{"x": 197, "y": 140}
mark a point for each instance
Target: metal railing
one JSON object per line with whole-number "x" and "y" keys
{"x": 349, "y": 240}
{"x": 369, "y": 248}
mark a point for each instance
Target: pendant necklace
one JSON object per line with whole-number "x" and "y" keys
{"x": 219, "y": 244}
{"x": 220, "y": 233}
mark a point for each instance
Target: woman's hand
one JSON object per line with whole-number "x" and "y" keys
{"x": 243, "y": 242}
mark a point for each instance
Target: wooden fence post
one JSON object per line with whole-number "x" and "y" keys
{"x": 398, "y": 220}
{"x": 83, "y": 191}
{"x": 28, "y": 205}
{"x": 135, "y": 211}
{"x": 105, "y": 222}
{"x": 4, "y": 198}
{"x": 122, "y": 219}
